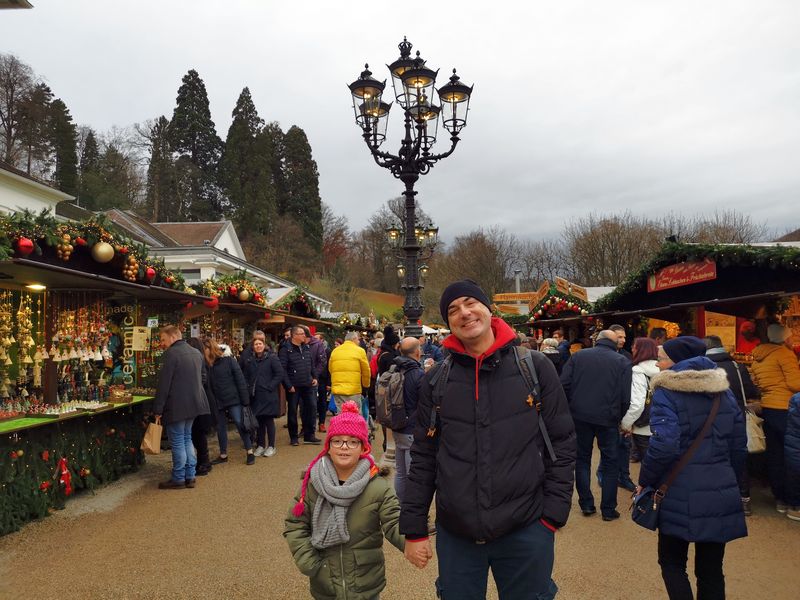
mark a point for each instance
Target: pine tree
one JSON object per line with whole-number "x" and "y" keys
{"x": 34, "y": 138}
{"x": 194, "y": 138}
{"x": 117, "y": 181}
{"x": 246, "y": 171}
{"x": 303, "y": 202}
{"x": 161, "y": 201}
{"x": 90, "y": 181}
{"x": 64, "y": 137}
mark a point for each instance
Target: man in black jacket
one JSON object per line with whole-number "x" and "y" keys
{"x": 597, "y": 382}
{"x": 499, "y": 496}
{"x": 179, "y": 399}
{"x": 297, "y": 363}
{"x": 409, "y": 364}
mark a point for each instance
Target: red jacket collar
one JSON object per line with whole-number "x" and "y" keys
{"x": 503, "y": 334}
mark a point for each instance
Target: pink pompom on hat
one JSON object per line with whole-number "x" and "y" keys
{"x": 348, "y": 422}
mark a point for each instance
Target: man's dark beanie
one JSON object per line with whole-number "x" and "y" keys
{"x": 459, "y": 289}
{"x": 390, "y": 337}
{"x": 684, "y": 347}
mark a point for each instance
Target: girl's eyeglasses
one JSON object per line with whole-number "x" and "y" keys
{"x": 352, "y": 444}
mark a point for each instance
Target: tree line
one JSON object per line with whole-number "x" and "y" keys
{"x": 174, "y": 169}
{"x": 594, "y": 250}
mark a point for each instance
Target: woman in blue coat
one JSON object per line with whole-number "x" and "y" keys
{"x": 264, "y": 373}
{"x": 703, "y": 504}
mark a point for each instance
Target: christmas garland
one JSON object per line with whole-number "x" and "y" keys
{"x": 297, "y": 299}
{"x": 42, "y": 237}
{"x": 557, "y": 306}
{"x": 41, "y": 467}
{"x": 234, "y": 287}
{"x": 726, "y": 255}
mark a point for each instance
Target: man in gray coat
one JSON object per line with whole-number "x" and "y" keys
{"x": 179, "y": 399}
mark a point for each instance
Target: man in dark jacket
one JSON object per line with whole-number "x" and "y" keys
{"x": 597, "y": 382}
{"x": 743, "y": 390}
{"x": 499, "y": 495}
{"x": 409, "y": 363}
{"x": 429, "y": 350}
{"x": 563, "y": 345}
{"x": 319, "y": 363}
{"x": 179, "y": 399}
{"x": 296, "y": 361}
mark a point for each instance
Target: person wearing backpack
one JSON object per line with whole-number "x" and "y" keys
{"x": 636, "y": 421}
{"x": 411, "y": 371}
{"x": 495, "y": 443}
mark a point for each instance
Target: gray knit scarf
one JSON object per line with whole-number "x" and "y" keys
{"x": 328, "y": 524}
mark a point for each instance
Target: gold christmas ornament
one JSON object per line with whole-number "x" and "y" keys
{"x": 102, "y": 252}
{"x": 244, "y": 295}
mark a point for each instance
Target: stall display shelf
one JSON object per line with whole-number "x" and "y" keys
{"x": 14, "y": 425}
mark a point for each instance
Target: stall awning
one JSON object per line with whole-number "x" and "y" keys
{"x": 23, "y": 272}
{"x": 276, "y": 316}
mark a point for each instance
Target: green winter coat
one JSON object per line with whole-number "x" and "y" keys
{"x": 352, "y": 571}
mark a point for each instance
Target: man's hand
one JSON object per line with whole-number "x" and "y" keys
{"x": 158, "y": 419}
{"x": 418, "y": 553}
{"x": 313, "y": 382}
{"x": 291, "y": 390}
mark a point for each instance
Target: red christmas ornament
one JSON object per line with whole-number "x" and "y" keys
{"x": 169, "y": 279}
{"x": 150, "y": 273}
{"x": 80, "y": 241}
{"x": 258, "y": 297}
{"x": 213, "y": 303}
{"x": 232, "y": 290}
{"x": 123, "y": 249}
{"x": 46, "y": 455}
{"x": 13, "y": 455}
{"x": 44, "y": 486}
{"x": 24, "y": 246}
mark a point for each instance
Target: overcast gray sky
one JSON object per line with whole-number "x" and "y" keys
{"x": 579, "y": 106}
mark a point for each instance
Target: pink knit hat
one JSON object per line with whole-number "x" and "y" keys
{"x": 348, "y": 422}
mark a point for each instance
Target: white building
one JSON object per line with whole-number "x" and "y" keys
{"x": 20, "y": 191}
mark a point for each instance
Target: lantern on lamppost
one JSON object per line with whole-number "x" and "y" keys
{"x": 413, "y": 84}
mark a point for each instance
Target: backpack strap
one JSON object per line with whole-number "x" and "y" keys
{"x": 438, "y": 381}
{"x": 524, "y": 360}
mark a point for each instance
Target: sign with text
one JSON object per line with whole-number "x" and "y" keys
{"x": 678, "y": 275}
{"x": 540, "y": 295}
{"x": 521, "y": 297}
{"x": 562, "y": 285}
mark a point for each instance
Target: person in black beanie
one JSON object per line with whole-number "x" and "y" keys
{"x": 389, "y": 350}
{"x": 461, "y": 289}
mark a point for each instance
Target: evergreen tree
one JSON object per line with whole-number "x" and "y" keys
{"x": 116, "y": 182}
{"x": 303, "y": 202}
{"x": 34, "y": 138}
{"x": 246, "y": 171}
{"x": 194, "y": 138}
{"x": 161, "y": 200}
{"x": 89, "y": 168}
{"x": 64, "y": 136}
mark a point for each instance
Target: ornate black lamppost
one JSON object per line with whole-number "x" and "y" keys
{"x": 413, "y": 84}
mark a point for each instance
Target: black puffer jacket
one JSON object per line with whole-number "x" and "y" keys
{"x": 264, "y": 374}
{"x": 297, "y": 363}
{"x": 228, "y": 383}
{"x": 487, "y": 462}
{"x": 724, "y": 361}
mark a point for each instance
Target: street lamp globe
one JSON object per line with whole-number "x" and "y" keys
{"x": 455, "y": 96}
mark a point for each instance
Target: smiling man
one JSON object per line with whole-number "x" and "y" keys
{"x": 480, "y": 445}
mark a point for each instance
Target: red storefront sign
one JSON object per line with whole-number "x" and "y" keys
{"x": 685, "y": 273}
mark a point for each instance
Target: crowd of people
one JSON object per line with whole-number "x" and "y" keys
{"x": 473, "y": 407}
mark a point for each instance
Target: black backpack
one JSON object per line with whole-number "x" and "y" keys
{"x": 524, "y": 360}
{"x": 390, "y": 406}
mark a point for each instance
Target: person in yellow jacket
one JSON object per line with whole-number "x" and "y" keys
{"x": 349, "y": 371}
{"x": 777, "y": 374}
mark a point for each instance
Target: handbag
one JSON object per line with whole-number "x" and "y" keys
{"x": 647, "y": 503}
{"x": 332, "y": 405}
{"x": 644, "y": 418}
{"x": 754, "y": 425}
{"x": 249, "y": 421}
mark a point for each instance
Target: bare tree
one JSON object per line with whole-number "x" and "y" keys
{"x": 335, "y": 237}
{"x": 17, "y": 81}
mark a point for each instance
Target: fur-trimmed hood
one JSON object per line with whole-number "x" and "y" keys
{"x": 698, "y": 375}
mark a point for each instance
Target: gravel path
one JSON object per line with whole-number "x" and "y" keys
{"x": 223, "y": 540}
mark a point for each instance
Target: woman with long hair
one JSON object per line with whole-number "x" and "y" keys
{"x": 203, "y": 423}
{"x": 264, "y": 373}
{"x": 636, "y": 421}
{"x": 230, "y": 391}
{"x": 702, "y": 505}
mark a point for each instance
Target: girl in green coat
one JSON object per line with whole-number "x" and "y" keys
{"x": 336, "y": 528}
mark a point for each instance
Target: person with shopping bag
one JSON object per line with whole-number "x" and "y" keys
{"x": 179, "y": 399}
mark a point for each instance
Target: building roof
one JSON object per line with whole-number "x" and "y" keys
{"x": 55, "y": 195}
{"x": 141, "y": 230}
{"x": 793, "y": 236}
{"x": 193, "y": 233}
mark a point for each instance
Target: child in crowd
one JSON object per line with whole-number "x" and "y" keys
{"x": 336, "y": 527}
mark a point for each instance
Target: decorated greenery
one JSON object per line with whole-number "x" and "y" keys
{"x": 297, "y": 302}
{"x": 96, "y": 449}
{"x": 24, "y": 234}
{"x": 725, "y": 255}
{"x": 234, "y": 287}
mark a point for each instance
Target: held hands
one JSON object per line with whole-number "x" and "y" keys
{"x": 418, "y": 553}
{"x": 158, "y": 419}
